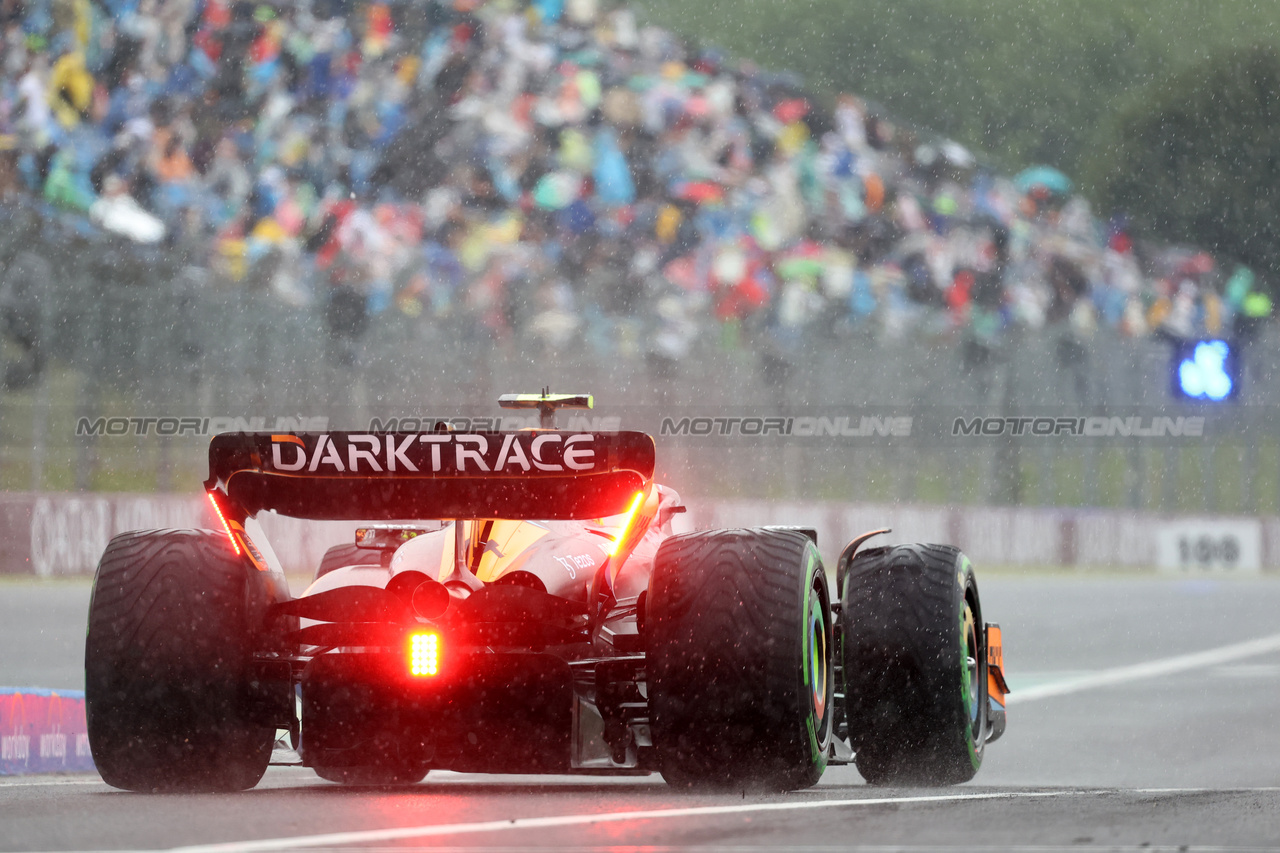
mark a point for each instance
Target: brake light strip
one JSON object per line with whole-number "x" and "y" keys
{"x": 225, "y": 526}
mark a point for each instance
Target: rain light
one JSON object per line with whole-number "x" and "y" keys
{"x": 424, "y": 653}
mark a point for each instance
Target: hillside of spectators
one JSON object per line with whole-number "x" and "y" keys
{"x": 550, "y": 172}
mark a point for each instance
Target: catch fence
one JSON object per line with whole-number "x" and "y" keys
{"x": 97, "y": 329}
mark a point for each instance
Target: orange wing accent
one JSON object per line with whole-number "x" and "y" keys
{"x": 996, "y": 685}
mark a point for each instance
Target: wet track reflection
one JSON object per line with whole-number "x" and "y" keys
{"x": 1182, "y": 751}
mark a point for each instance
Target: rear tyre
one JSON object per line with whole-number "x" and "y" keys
{"x": 739, "y": 660}
{"x": 173, "y": 621}
{"x": 347, "y": 555}
{"x": 913, "y": 665}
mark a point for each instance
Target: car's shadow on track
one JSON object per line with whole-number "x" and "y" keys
{"x": 320, "y": 788}
{"x": 483, "y": 789}
{"x": 661, "y": 792}
{"x": 649, "y": 788}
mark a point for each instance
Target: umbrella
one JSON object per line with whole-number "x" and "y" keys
{"x": 120, "y": 214}
{"x": 791, "y": 110}
{"x": 699, "y": 192}
{"x": 1043, "y": 176}
{"x": 801, "y": 267}
{"x": 957, "y": 154}
{"x": 557, "y": 190}
{"x": 683, "y": 272}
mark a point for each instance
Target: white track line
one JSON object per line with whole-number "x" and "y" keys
{"x": 1150, "y": 669}
{"x": 1262, "y": 789}
{"x": 839, "y": 848}
{"x": 21, "y": 782}
{"x": 368, "y": 836}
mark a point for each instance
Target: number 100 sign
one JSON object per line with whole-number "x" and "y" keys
{"x": 1210, "y": 546}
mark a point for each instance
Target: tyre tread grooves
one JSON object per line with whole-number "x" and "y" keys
{"x": 171, "y": 626}
{"x": 724, "y": 658}
{"x": 900, "y": 620}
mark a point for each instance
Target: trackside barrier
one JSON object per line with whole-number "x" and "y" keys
{"x": 64, "y": 534}
{"x": 1005, "y": 536}
{"x": 42, "y": 731}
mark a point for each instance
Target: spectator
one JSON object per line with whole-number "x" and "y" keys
{"x": 547, "y": 172}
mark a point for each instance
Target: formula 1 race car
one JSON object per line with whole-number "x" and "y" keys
{"x": 554, "y": 622}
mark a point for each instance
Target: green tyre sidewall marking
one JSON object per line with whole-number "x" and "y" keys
{"x": 806, "y": 589}
{"x": 817, "y": 754}
{"x": 964, "y": 572}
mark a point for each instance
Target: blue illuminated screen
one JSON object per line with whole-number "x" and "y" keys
{"x": 1204, "y": 374}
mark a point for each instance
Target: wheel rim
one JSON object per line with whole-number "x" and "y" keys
{"x": 972, "y": 670}
{"x": 816, "y": 650}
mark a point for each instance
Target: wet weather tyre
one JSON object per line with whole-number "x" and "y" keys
{"x": 913, "y": 667}
{"x": 347, "y": 555}
{"x": 739, "y": 639}
{"x": 172, "y": 624}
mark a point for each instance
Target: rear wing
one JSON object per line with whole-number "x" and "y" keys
{"x": 544, "y": 474}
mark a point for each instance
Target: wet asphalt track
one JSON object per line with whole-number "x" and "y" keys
{"x": 1178, "y": 749}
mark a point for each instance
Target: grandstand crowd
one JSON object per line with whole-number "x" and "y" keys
{"x": 553, "y": 172}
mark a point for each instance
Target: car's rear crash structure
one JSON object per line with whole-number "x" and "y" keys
{"x": 554, "y": 622}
